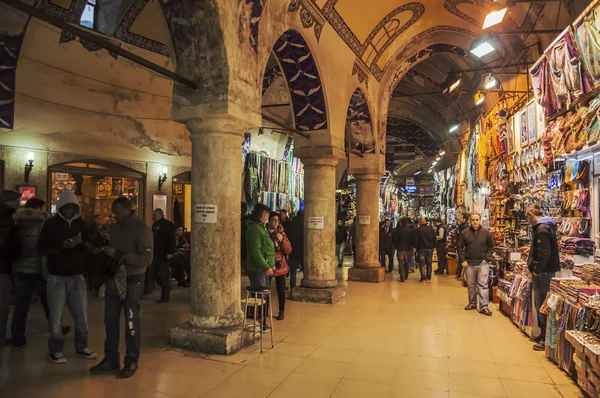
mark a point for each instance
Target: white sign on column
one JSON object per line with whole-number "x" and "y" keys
{"x": 316, "y": 222}
{"x": 205, "y": 214}
{"x": 364, "y": 220}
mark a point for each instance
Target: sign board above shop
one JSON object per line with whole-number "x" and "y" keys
{"x": 410, "y": 181}
{"x": 404, "y": 152}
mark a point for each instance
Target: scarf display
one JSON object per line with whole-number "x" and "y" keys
{"x": 587, "y": 36}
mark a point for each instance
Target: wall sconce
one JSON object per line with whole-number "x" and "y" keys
{"x": 28, "y": 165}
{"x": 162, "y": 178}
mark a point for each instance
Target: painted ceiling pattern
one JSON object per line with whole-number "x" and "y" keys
{"x": 359, "y": 127}
{"x": 306, "y": 90}
{"x": 123, "y": 31}
{"x": 411, "y": 133}
{"x": 10, "y": 47}
{"x": 255, "y": 9}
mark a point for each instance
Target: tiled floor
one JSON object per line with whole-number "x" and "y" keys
{"x": 386, "y": 340}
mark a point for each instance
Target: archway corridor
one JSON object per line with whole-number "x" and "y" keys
{"x": 408, "y": 340}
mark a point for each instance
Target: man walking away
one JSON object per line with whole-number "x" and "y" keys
{"x": 425, "y": 242}
{"x": 341, "y": 235}
{"x": 440, "y": 245}
{"x": 64, "y": 240}
{"x": 28, "y": 273}
{"x": 386, "y": 245}
{"x": 9, "y": 203}
{"x": 404, "y": 240}
{"x": 463, "y": 219}
{"x": 543, "y": 263}
{"x": 131, "y": 248}
{"x": 475, "y": 251}
{"x": 295, "y": 235}
{"x": 164, "y": 249}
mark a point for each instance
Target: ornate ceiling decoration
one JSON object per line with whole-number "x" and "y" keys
{"x": 359, "y": 127}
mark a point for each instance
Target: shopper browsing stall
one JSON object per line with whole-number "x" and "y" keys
{"x": 543, "y": 263}
{"x": 475, "y": 250}
{"x": 440, "y": 245}
{"x": 463, "y": 219}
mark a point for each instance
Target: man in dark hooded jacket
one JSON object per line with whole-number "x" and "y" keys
{"x": 64, "y": 239}
{"x": 543, "y": 263}
{"x": 9, "y": 203}
{"x": 295, "y": 234}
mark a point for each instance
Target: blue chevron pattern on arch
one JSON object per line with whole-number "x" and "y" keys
{"x": 306, "y": 90}
{"x": 359, "y": 128}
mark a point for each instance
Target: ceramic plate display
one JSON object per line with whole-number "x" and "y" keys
{"x": 60, "y": 185}
{"x": 69, "y": 186}
{"x": 523, "y": 162}
{"x": 536, "y": 152}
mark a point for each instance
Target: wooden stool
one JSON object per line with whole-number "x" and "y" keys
{"x": 259, "y": 296}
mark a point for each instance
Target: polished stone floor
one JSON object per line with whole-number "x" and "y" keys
{"x": 386, "y": 340}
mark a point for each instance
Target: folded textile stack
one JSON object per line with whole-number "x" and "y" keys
{"x": 586, "y": 293}
{"x": 577, "y": 269}
{"x": 578, "y": 246}
{"x": 555, "y": 285}
{"x": 504, "y": 286}
{"x": 588, "y": 272}
{"x": 566, "y": 262}
{"x": 524, "y": 250}
{"x": 586, "y": 359}
{"x": 569, "y": 288}
{"x": 596, "y": 275}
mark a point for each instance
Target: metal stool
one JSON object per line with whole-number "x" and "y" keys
{"x": 258, "y": 294}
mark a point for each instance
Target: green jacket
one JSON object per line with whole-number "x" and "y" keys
{"x": 259, "y": 247}
{"x": 134, "y": 239}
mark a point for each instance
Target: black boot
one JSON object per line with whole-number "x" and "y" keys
{"x": 281, "y": 316}
{"x": 105, "y": 367}
{"x": 128, "y": 370}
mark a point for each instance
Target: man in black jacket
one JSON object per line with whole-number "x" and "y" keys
{"x": 463, "y": 223}
{"x": 440, "y": 245}
{"x": 425, "y": 242}
{"x": 386, "y": 245}
{"x": 64, "y": 241}
{"x": 341, "y": 235}
{"x": 164, "y": 249}
{"x": 295, "y": 235}
{"x": 475, "y": 251}
{"x": 404, "y": 241}
{"x": 543, "y": 263}
{"x": 9, "y": 203}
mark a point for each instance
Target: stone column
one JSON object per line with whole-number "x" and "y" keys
{"x": 319, "y": 283}
{"x": 215, "y": 319}
{"x": 366, "y": 264}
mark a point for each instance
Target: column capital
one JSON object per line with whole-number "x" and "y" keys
{"x": 320, "y": 156}
{"x": 365, "y": 176}
{"x": 218, "y": 123}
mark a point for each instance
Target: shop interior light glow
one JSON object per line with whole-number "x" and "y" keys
{"x": 453, "y": 128}
{"x": 442, "y": 153}
{"x": 454, "y": 85}
{"x": 479, "y": 98}
{"x": 494, "y": 18}
{"x": 482, "y": 49}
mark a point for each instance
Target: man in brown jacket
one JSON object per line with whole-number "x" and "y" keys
{"x": 131, "y": 244}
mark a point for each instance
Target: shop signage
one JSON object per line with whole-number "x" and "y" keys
{"x": 206, "y": 214}
{"x": 597, "y": 163}
{"x": 364, "y": 220}
{"x": 316, "y": 222}
{"x": 410, "y": 181}
{"x": 410, "y": 189}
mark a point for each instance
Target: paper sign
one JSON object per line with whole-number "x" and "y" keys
{"x": 206, "y": 214}
{"x": 316, "y": 222}
{"x": 364, "y": 220}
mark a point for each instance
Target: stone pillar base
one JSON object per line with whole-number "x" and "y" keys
{"x": 374, "y": 275}
{"x": 224, "y": 341}
{"x": 330, "y": 295}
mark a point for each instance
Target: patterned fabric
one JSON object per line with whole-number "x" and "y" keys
{"x": 256, "y": 9}
{"x": 306, "y": 90}
{"x": 587, "y": 35}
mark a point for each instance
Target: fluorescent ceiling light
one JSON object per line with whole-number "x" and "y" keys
{"x": 482, "y": 49}
{"x": 442, "y": 153}
{"x": 494, "y": 18}
{"x": 453, "y": 128}
{"x": 418, "y": 172}
{"x": 434, "y": 163}
{"x": 437, "y": 159}
{"x": 430, "y": 170}
{"x": 490, "y": 82}
{"x": 480, "y": 101}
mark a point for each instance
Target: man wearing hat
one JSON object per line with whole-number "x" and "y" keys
{"x": 9, "y": 203}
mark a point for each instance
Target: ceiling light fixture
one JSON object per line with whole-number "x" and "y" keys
{"x": 482, "y": 47}
{"x": 490, "y": 81}
{"x": 442, "y": 153}
{"x": 434, "y": 163}
{"x": 418, "y": 172}
{"x": 454, "y": 85}
{"x": 478, "y": 98}
{"x": 430, "y": 170}
{"x": 494, "y": 18}
{"x": 437, "y": 159}
{"x": 453, "y": 128}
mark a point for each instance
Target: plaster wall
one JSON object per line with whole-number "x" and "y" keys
{"x": 72, "y": 100}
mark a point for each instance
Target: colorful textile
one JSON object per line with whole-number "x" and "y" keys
{"x": 587, "y": 35}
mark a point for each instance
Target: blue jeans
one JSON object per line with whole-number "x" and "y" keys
{"x": 131, "y": 312}
{"x": 541, "y": 287}
{"x": 477, "y": 281}
{"x": 425, "y": 263}
{"x": 72, "y": 292}
{"x": 339, "y": 249}
{"x": 404, "y": 260}
{"x": 4, "y": 303}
